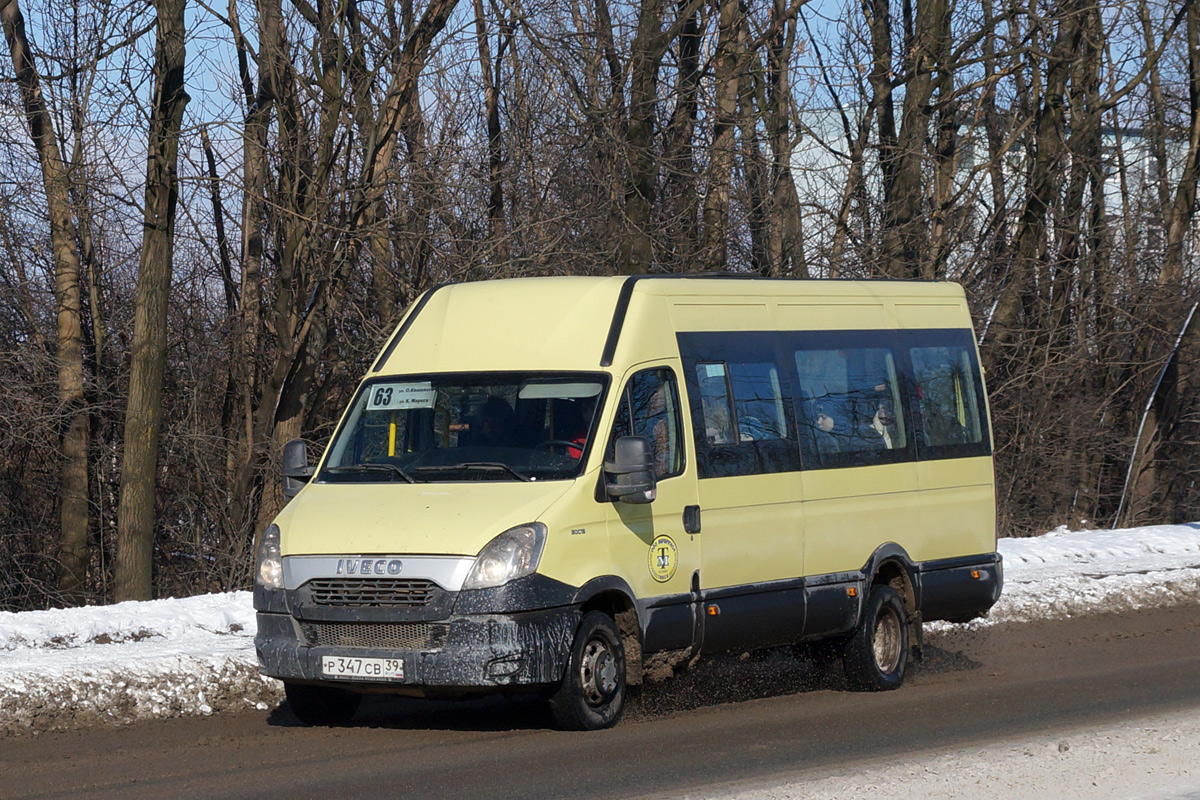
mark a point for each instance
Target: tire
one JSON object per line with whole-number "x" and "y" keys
{"x": 876, "y": 654}
{"x": 592, "y": 694}
{"x": 321, "y": 705}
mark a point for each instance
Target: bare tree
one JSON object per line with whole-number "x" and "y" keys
{"x": 73, "y": 476}
{"x": 729, "y": 62}
{"x": 143, "y": 411}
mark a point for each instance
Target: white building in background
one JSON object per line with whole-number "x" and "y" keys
{"x": 821, "y": 169}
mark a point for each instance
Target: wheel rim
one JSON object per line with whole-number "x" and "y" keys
{"x": 888, "y": 640}
{"x": 598, "y": 673}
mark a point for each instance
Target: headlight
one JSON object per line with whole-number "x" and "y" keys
{"x": 269, "y": 564}
{"x": 511, "y": 555}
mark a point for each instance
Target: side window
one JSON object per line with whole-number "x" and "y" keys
{"x": 758, "y": 401}
{"x": 948, "y": 396}
{"x": 850, "y": 405}
{"x": 650, "y": 408}
{"x": 713, "y": 380}
{"x": 748, "y": 395}
{"x": 741, "y": 403}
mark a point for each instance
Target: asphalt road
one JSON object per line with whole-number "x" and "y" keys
{"x": 729, "y": 722}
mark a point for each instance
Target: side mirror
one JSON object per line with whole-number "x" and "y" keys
{"x": 629, "y": 477}
{"x": 296, "y": 470}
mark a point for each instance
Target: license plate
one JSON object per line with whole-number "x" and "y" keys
{"x": 367, "y": 669}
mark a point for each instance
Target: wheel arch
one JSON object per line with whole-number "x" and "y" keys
{"x": 890, "y": 565}
{"x": 613, "y": 596}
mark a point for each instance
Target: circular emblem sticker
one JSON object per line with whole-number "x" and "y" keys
{"x": 663, "y": 559}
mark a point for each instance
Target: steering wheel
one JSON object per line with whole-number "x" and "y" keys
{"x": 550, "y": 444}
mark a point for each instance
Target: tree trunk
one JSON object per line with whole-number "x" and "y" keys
{"x": 242, "y": 479}
{"x": 905, "y": 231}
{"x": 879, "y": 21}
{"x": 637, "y": 246}
{"x": 1183, "y": 209}
{"x": 489, "y": 70}
{"x": 728, "y": 60}
{"x": 73, "y": 472}
{"x": 785, "y": 253}
{"x": 756, "y": 170}
{"x": 143, "y": 413}
{"x": 679, "y": 179}
{"x": 945, "y": 156}
{"x": 998, "y": 225}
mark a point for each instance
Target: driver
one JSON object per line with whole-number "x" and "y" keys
{"x": 569, "y": 421}
{"x": 497, "y": 423}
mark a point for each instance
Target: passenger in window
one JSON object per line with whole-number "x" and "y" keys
{"x": 752, "y": 428}
{"x": 875, "y": 424}
{"x": 497, "y": 423}
{"x": 884, "y": 423}
{"x": 827, "y": 440}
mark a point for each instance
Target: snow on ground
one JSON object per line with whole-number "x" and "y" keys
{"x": 165, "y": 658}
{"x": 69, "y": 667}
{"x": 1155, "y": 758}
{"x": 1065, "y": 574}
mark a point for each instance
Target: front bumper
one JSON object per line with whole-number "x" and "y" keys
{"x": 477, "y": 652}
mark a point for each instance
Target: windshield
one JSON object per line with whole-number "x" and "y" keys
{"x": 467, "y": 427}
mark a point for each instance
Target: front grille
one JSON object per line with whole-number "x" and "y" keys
{"x": 378, "y": 635}
{"x": 378, "y": 593}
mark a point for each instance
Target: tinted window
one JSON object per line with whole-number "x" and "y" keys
{"x": 713, "y": 382}
{"x": 948, "y": 396}
{"x": 850, "y": 404}
{"x": 740, "y": 402}
{"x": 841, "y": 398}
{"x": 757, "y": 401}
{"x": 650, "y": 408}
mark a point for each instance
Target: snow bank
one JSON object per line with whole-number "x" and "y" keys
{"x": 166, "y": 658}
{"x": 1065, "y": 574}
{"x": 68, "y": 667}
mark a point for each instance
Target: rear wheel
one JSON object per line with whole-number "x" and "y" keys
{"x": 321, "y": 705}
{"x": 876, "y": 654}
{"x": 592, "y": 693}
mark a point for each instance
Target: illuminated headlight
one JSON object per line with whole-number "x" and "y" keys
{"x": 269, "y": 564}
{"x": 511, "y": 555}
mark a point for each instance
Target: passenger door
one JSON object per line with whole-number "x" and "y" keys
{"x": 748, "y": 488}
{"x": 649, "y": 542}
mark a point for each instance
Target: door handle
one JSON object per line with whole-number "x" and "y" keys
{"x": 691, "y": 519}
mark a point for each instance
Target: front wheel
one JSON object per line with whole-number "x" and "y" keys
{"x": 321, "y": 705}
{"x": 592, "y": 693}
{"x": 876, "y": 654}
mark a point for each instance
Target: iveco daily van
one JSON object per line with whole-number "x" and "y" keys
{"x": 546, "y": 484}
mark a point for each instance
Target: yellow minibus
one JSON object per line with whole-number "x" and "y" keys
{"x": 546, "y": 484}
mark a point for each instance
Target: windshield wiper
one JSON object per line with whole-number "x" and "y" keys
{"x": 483, "y": 465}
{"x": 377, "y": 467}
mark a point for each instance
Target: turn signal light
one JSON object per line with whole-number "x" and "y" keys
{"x": 852, "y": 591}
{"x": 975, "y": 574}
{"x": 714, "y": 610}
